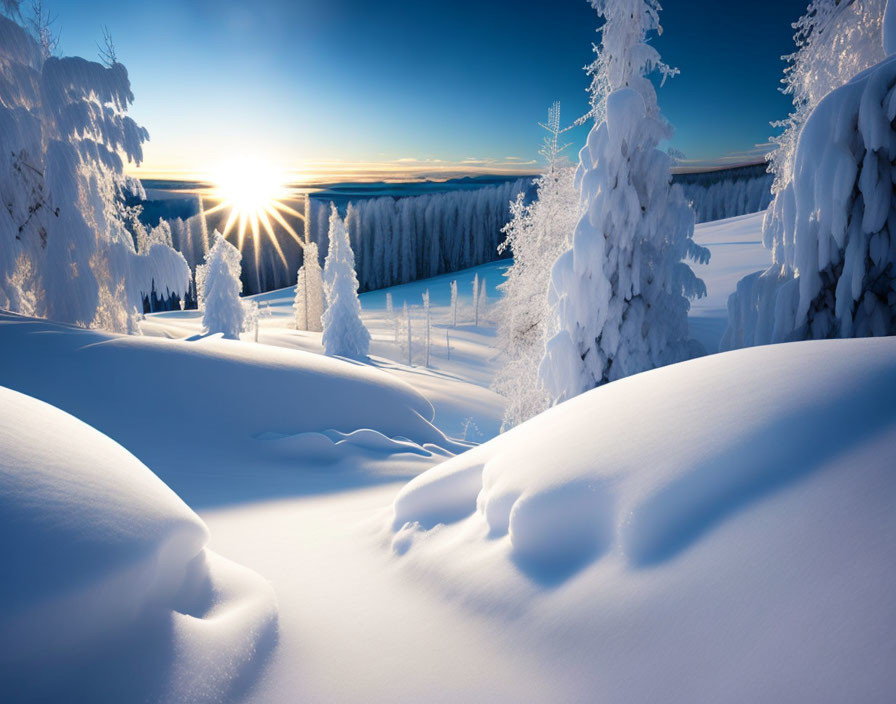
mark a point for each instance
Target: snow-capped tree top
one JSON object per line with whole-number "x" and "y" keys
{"x": 835, "y": 41}
{"x": 624, "y": 58}
{"x": 219, "y": 279}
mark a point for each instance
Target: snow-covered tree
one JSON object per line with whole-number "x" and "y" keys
{"x": 835, "y": 40}
{"x": 538, "y": 233}
{"x": 828, "y": 227}
{"x": 427, "y": 329}
{"x": 400, "y": 239}
{"x": 410, "y": 333}
{"x": 454, "y": 303}
{"x": 309, "y": 300}
{"x": 219, "y": 282}
{"x": 344, "y": 333}
{"x": 619, "y": 295}
{"x": 68, "y": 240}
{"x": 476, "y": 299}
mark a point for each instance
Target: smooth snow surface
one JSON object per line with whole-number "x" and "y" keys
{"x": 724, "y": 525}
{"x": 679, "y": 540}
{"x": 187, "y": 408}
{"x": 102, "y": 560}
{"x": 737, "y": 250}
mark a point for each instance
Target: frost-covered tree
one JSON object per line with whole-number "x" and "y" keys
{"x": 829, "y": 225}
{"x": 538, "y": 233}
{"x": 454, "y": 303}
{"x": 410, "y": 333}
{"x": 344, "y": 333}
{"x": 476, "y": 299}
{"x": 219, "y": 281}
{"x": 400, "y": 239}
{"x": 427, "y": 328}
{"x": 309, "y": 301}
{"x": 619, "y": 295}
{"x": 835, "y": 40}
{"x": 69, "y": 249}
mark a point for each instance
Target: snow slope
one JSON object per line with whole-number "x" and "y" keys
{"x": 203, "y": 409}
{"x": 717, "y": 530}
{"x": 108, "y": 590}
{"x": 457, "y": 381}
{"x": 464, "y": 359}
{"x": 736, "y": 250}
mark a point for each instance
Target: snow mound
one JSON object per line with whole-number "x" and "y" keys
{"x": 210, "y": 399}
{"x": 109, "y": 589}
{"x": 724, "y": 524}
{"x": 627, "y": 469}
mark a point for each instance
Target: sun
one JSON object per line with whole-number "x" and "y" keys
{"x": 252, "y": 192}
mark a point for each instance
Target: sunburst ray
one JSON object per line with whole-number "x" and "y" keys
{"x": 253, "y": 196}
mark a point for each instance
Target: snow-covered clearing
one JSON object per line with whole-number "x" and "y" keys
{"x": 463, "y": 358}
{"x": 736, "y": 248}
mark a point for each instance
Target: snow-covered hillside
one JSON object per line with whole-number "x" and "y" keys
{"x": 694, "y": 522}
{"x": 717, "y": 530}
{"x": 200, "y": 410}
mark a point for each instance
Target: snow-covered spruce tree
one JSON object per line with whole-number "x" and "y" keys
{"x": 344, "y": 333}
{"x": 619, "y": 295}
{"x": 454, "y": 303}
{"x": 538, "y": 233}
{"x": 219, "y": 282}
{"x": 828, "y": 273}
{"x": 69, "y": 250}
{"x": 309, "y": 301}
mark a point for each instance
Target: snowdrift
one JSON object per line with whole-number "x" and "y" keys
{"x": 108, "y": 590}
{"x": 724, "y": 524}
{"x": 215, "y": 403}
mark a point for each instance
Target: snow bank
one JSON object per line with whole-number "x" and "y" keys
{"x": 212, "y": 400}
{"x": 757, "y": 534}
{"x": 108, "y": 588}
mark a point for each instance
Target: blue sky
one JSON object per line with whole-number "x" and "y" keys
{"x": 440, "y": 86}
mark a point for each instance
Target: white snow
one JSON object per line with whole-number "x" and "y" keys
{"x": 217, "y": 403}
{"x": 733, "y": 547}
{"x": 103, "y": 560}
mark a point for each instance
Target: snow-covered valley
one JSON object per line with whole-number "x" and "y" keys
{"x": 652, "y": 525}
{"x": 349, "y": 390}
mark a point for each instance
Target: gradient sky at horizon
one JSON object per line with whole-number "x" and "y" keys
{"x": 416, "y": 86}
